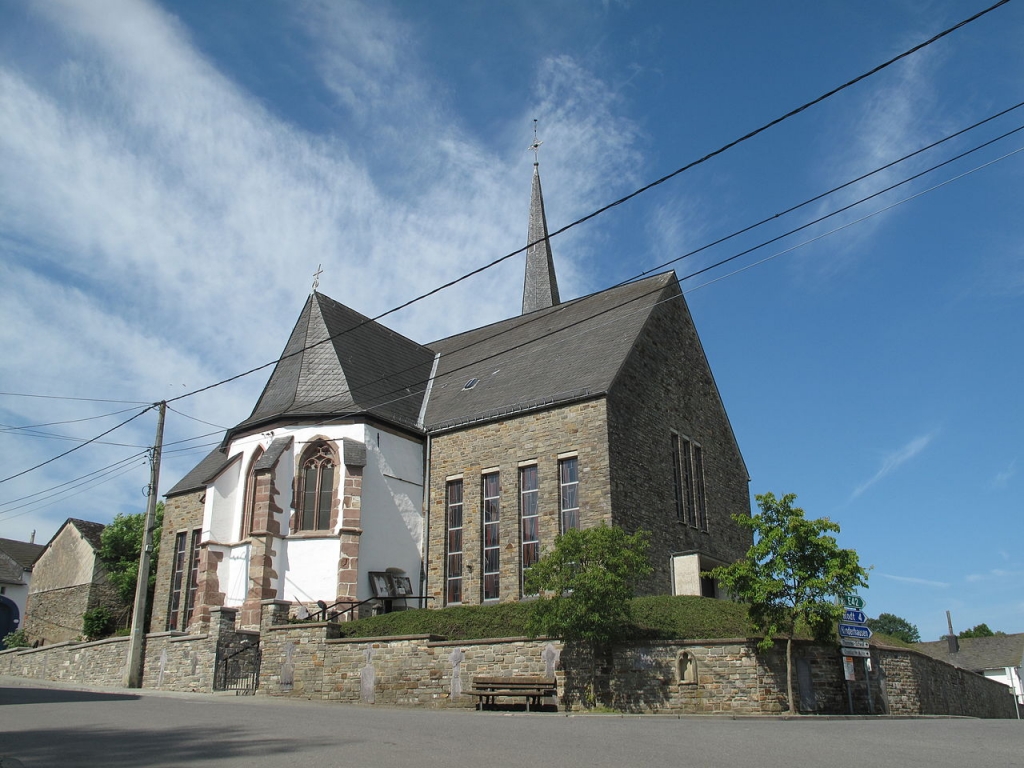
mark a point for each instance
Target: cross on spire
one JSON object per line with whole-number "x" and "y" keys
{"x": 316, "y": 276}
{"x": 535, "y": 147}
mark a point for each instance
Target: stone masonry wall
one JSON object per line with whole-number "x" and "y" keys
{"x": 55, "y": 616}
{"x": 665, "y": 385}
{"x": 99, "y": 663}
{"x": 915, "y": 684}
{"x": 176, "y": 661}
{"x": 536, "y": 437}
{"x": 182, "y": 513}
{"x": 310, "y": 661}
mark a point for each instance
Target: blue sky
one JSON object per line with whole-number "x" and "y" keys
{"x": 173, "y": 173}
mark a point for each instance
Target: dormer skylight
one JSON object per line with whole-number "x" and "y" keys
{"x": 470, "y": 384}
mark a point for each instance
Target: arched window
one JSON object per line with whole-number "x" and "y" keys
{"x": 316, "y": 493}
{"x": 249, "y": 504}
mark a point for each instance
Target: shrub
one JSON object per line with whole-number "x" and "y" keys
{"x": 17, "y": 639}
{"x": 97, "y": 623}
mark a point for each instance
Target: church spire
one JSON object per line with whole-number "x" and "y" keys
{"x": 540, "y": 289}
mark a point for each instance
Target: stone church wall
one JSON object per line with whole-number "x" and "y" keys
{"x": 536, "y": 437}
{"x": 665, "y": 385}
{"x": 182, "y": 513}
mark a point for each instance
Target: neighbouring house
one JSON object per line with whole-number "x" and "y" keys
{"x": 999, "y": 658}
{"x": 16, "y": 561}
{"x": 68, "y": 579}
{"x": 376, "y": 472}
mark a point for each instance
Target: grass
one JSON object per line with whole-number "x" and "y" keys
{"x": 656, "y": 618}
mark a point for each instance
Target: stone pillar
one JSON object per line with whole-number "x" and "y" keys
{"x": 349, "y": 533}
{"x": 274, "y": 612}
{"x": 222, "y": 622}
{"x": 208, "y": 594}
{"x": 266, "y": 528}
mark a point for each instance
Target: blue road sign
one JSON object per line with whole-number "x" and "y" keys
{"x": 854, "y": 630}
{"x": 854, "y": 617}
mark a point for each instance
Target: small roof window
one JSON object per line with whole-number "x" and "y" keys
{"x": 470, "y": 384}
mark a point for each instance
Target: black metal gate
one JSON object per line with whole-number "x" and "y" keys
{"x": 238, "y": 670}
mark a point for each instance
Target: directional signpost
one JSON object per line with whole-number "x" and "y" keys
{"x": 854, "y": 630}
{"x": 853, "y": 639}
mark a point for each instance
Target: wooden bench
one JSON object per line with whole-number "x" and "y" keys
{"x": 532, "y": 688}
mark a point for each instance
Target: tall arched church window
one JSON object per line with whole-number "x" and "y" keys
{"x": 249, "y": 505}
{"x": 316, "y": 497}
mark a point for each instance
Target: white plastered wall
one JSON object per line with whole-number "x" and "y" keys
{"x": 391, "y": 515}
{"x": 307, "y": 565}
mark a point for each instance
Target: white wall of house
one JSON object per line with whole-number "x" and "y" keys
{"x": 307, "y": 564}
{"x": 1010, "y": 677}
{"x": 310, "y": 570}
{"x": 222, "y": 496}
{"x": 234, "y": 574}
{"x": 18, "y": 594}
{"x": 391, "y": 515}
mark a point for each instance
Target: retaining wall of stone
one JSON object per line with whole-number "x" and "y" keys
{"x": 98, "y": 663}
{"x": 729, "y": 676}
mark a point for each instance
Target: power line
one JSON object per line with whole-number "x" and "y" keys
{"x": 87, "y": 478}
{"x": 107, "y": 479}
{"x": 82, "y": 445}
{"x": 740, "y": 254}
{"x": 618, "y": 202}
{"x": 846, "y": 225}
{"x": 11, "y": 427}
{"x": 207, "y": 423}
{"x": 563, "y": 229}
{"x": 823, "y": 195}
{"x": 81, "y": 399}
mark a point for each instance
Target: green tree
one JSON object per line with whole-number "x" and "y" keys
{"x": 981, "y": 630}
{"x": 795, "y": 571}
{"x": 120, "y": 547}
{"x": 895, "y": 626}
{"x": 585, "y": 585}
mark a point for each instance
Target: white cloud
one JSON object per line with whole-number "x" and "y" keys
{"x": 1002, "y": 478}
{"x": 915, "y": 580}
{"x": 895, "y": 460}
{"x": 159, "y": 226}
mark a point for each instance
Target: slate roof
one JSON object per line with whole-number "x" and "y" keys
{"x": 540, "y": 289}
{"x": 338, "y": 362}
{"x": 90, "y": 531}
{"x": 978, "y": 653}
{"x": 197, "y": 477}
{"x": 567, "y": 352}
{"x": 572, "y": 351}
{"x": 21, "y": 552}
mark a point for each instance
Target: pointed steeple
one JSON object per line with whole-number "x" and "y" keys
{"x": 540, "y": 289}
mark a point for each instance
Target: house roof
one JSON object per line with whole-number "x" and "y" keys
{"x": 21, "y": 552}
{"x": 566, "y": 352}
{"x": 978, "y": 653}
{"x": 197, "y": 477}
{"x": 90, "y": 531}
{"x": 338, "y": 362}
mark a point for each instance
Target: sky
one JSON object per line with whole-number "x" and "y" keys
{"x": 172, "y": 175}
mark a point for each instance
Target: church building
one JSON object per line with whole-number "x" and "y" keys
{"x": 378, "y": 473}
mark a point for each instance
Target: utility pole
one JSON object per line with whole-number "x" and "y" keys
{"x": 133, "y": 667}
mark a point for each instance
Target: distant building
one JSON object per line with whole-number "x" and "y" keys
{"x": 16, "y": 561}
{"x": 999, "y": 657}
{"x": 376, "y": 472}
{"x": 68, "y": 579}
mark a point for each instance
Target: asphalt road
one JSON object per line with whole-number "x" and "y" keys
{"x": 50, "y": 725}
